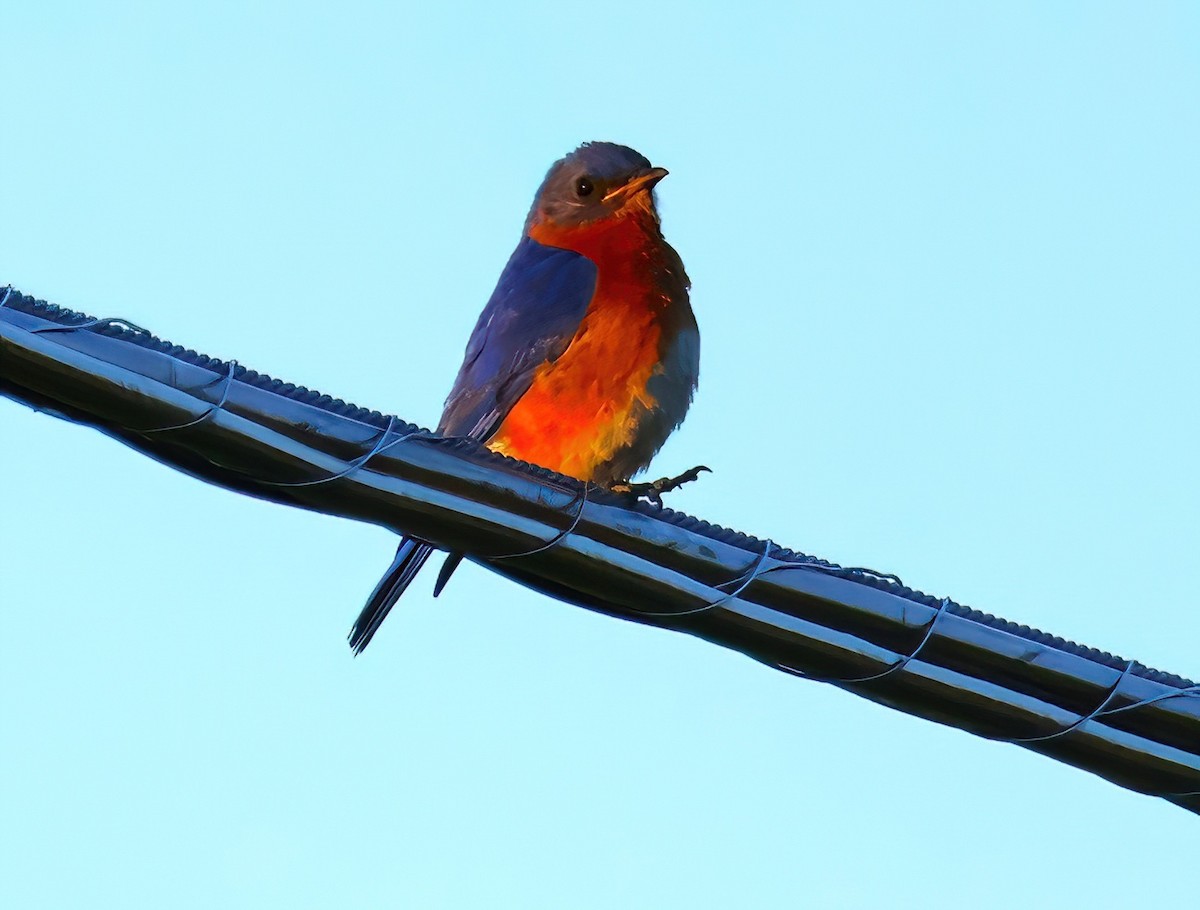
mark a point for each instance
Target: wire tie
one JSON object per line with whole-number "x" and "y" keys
{"x": 353, "y": 466}
{"x": 227, "y": 384}
{"x": 745, "y": 579}
{"x": 1188, "y": 692}
{"x": 91, "y": 324}
{"x": 381, "y": 446}
{"x": 558, "y": 538}
{"x": 894, "y": 668}
{"x": 852, "y": 572}
{"x": 1086, "y": 717}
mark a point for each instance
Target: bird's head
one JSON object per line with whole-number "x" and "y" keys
{"x": 597, "y": 181}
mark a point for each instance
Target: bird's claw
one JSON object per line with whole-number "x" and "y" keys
{"x": 654, "y": 490}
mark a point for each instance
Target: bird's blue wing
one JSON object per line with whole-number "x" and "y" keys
{"x": 530, "y": 319}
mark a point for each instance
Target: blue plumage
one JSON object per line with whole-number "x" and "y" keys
{"x": 530, "y": 319}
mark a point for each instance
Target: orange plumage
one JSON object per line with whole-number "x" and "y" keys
{"x": 579, "y": 410}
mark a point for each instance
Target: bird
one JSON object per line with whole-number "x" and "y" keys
{"x": 587, "y": 354}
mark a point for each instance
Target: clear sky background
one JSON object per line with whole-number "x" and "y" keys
{"x": 945, "y": 264}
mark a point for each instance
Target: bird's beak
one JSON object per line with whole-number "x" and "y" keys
{"x": 644, "y": 180}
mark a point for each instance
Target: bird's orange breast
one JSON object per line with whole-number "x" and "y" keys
{"x": 582, "y": 408}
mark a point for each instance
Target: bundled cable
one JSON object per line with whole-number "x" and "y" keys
{"x": 858, "y": 629}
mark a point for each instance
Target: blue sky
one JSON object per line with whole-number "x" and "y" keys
{"x": 944, "y": 262}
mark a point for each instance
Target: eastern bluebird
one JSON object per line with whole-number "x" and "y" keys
{"x": 586, "y": 356}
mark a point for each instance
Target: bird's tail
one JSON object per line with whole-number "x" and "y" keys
{"x": 410, "y": 557}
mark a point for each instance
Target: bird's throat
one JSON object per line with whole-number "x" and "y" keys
{"x": 618, "y": 243}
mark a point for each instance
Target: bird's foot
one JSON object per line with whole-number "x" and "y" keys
{"x": 655, "y": 489}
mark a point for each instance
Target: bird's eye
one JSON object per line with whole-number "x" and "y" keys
{"x": 583, "y": 187}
